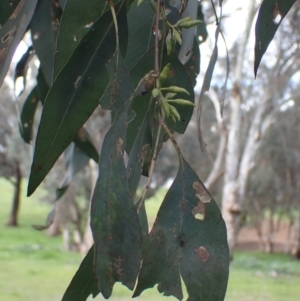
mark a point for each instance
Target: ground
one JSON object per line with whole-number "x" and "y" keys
{"x": 248, "y": 239}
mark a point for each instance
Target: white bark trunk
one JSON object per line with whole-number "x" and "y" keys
{"x": 232, "y": 197}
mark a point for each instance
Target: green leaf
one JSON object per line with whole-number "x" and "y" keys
{"x": 27, "y": 115}
{"x": 140, "y": 39}
{"x": 142, "y": 214}
{"x": 62, "y": 3}
{"x": 6, "y": 9}
{"x": 74, "y": 95}
{"x": 114, "y": 220}
{"x": 44, "y": 27}
{"x": 75, "y": 161}
{"x": 12, "y": 32}
{"x": 188, "y": 241}
{"x": 77, "y": 20}
{"x": 84, "y": 282}
{"x": 267, "y": 25}
{"x": 84, "y": 142}
{"x": 138, "y": 154}
{"x": 202, "y": 33}
{"x": 42, "y": 86}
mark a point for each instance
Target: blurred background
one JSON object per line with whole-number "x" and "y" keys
{"x": 250, "y": 164}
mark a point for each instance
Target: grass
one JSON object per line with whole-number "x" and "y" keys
{"x": 33, "y": 266}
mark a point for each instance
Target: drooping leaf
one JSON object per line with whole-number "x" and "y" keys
{"x": 42, "y": 86}
{"x": 114, "y": 220}
{"x": 140, "y": 39}
{"x": 188, "y": 241}
{"x": 84, "y": 142}
{"x": 137, "y": 156}
{"x": 27, "y": 115}
{"x": 6, "y": 9}
{"x": 62, "y": 3}
{"x": 22, "y": 67}
{"x": 270, "y": 15}
{"x": 206, "y": 84}
{"x": 12, "y": 32}
{"x": 142, "y": 214}
{"x": 44, "y": 27}
{"x": 75, "y": 161}
{"x": 192, "y": 66}
{"x": 188, "y": 34}
{"x": 77, "y": 20}
{"x": 84, "y": 282}
{"x": 74, "y": 95}
{"x": 202, "y": 33}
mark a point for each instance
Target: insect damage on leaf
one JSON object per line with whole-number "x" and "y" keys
{"x": 199, "y": 211}
{"x": 202, "y": 254}
{"x": 120, "y": 142}
{"x": 201, "y": 192}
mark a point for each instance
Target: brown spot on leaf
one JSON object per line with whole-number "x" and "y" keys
{"x": 199, "y": 211}
{"x": 118, "y": 266}
{"x": 17, "y": 10}
{"x": 201, "y": 192}
{"x": 143, "y": 153}
{"x": 277, "y": 16}
{"x": 119, "y": 146}
{"x": 202, "y": 254}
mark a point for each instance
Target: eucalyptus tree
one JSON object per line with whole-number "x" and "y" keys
{"x": 140, "y": 61}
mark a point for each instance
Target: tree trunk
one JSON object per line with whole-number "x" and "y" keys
{"x": 296, "y": 248}
{"x": 13, "y": 219}
{"x": 88, "y": 236}
{"x": 232, "y": 195}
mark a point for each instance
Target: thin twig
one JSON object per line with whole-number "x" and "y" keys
{"x": 169, "y": 133}
{"x": 156, "y": 56}
{"x": 113, "y": 12}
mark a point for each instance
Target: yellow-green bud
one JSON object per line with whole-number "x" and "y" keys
{"x": 182, "y": 102}
{"x": 177, "y": 36}
{"x": 183, "y": 20}
{"x": 173, "y": 118}
{"x": 170, "y": 95}
{"x": 166, "y": 108}
{"x": 175, "y": 89}
{"x": 189, "y": 24}
{"x": 155, "y": 92}
{"x": 152, "y": 4}
{"x": 169, "y": 43}
{"x": 174, "y": 112}
{"x": 165, "y": 72}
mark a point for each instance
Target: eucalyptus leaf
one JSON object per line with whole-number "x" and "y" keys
{"x": 114, "y": 220}
{"x": 77, "y": 20}
{"x": 84, "y": 282}
{"x": 12, "y": 32}
{"x": 44, "y": 27}
{"x": 188, "y": 241}
{"x": 270, "y": 16}
{"x": 74, "y": 95}
{"x": 27, "y": 115}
